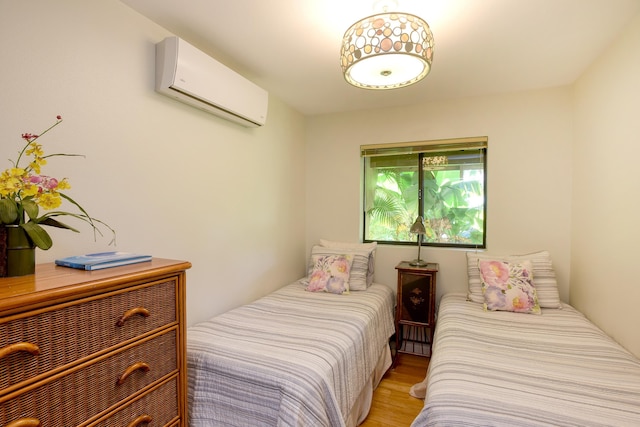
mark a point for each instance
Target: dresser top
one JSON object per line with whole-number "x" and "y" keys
{"x": 52, "y": 282}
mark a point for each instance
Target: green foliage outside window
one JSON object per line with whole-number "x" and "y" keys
{"x": 452, "y": 202}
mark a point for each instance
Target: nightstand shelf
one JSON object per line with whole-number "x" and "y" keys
{"x": 415, "y": 308}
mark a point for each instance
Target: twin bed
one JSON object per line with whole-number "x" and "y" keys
{"x": 512, "y": 369}
{"x": 503, "y": 368}
{"x": 294, "y": 357}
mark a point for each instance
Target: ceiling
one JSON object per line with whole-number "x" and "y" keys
{"x": 291, "y": 47}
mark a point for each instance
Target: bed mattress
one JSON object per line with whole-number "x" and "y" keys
{"x": 292, "y": 358}
{"x": 513, "y": 369}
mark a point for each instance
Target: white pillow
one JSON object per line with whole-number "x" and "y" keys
{"x": 369, "y": 247}
{"x": 544, "y": 277}
{"x": 359, "y": 267}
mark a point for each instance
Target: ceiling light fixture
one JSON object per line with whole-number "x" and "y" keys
{"x": 387, "y": 50}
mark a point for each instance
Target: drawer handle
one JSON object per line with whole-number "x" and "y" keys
{"x": 132, "y": 312}
{"x": 25, "y": 422}
{"x": 140, "y": 420}
{"x": 19, "y": 346}
{"x": 140, "y": 366}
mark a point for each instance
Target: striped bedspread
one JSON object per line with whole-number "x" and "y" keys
{"x": 292, "y": 358}
{"x": 509, "y": 369}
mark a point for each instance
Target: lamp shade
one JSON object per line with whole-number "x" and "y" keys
{"x": 418, "y": 227}
{"x": 387, "y": 51}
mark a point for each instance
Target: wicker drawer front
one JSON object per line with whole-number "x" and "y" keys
{"x": 84, "y": 393}
{"x": 68, "y": 333}
{"x": 160, "y": 405}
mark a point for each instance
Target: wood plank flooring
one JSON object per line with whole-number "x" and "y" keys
{"x": 392, "y": 405}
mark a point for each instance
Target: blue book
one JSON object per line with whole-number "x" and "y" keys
{"x": 102, "y": 260}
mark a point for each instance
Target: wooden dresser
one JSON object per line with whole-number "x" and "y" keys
{"x": 94, "y": 348}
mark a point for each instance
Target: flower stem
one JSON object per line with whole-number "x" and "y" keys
{"x": 34, "y": 137}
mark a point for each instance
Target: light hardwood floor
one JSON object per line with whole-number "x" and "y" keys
{"x": 392, "y": 405}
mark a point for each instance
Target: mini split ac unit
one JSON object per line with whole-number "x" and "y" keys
{"x": 189, "y": 75}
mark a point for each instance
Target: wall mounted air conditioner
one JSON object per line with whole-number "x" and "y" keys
{"x": 189, "y": 75}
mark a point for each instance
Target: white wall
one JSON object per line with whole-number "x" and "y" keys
{"x": 606, "y": 197}
{"x": 173, "y": 181}
{"x": 529, "y": 175}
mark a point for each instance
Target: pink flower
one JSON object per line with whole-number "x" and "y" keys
{"x": 317, "y": 281}
{"x": 494, "y": 273}
{"x": 521, "y": 301}
{"x": 340, "y": 267}
{"x": 51, "y": 183}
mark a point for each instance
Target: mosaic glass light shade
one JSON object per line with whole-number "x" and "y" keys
{"x": 387, "y": 51}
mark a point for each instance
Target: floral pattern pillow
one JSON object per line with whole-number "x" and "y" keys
{"x": 508, "y": 286}
{"x": 330, "y": 273}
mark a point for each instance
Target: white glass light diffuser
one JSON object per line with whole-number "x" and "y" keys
{"x": 387, "y": 51}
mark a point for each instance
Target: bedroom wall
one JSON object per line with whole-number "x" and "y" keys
{"x": 605, "y": 236}
{"x": 529, "y": 175}
{"x": 173, "y": 181}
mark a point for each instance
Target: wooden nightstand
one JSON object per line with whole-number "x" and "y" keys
{"x": 415, "y": 308}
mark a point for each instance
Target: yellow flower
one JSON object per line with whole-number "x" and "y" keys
{"x": 16, "y": 172}
{"x": 35, "y": 149}
{"x": 63, "y": 185}
{"x": 6, "y": 187}
{"x": 29, "y": 190}
{"x": 37, "y": 163}
{"x": 11, "y": 181}
{"x": 49, "y": 201}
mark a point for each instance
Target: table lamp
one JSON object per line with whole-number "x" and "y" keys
{"x": 418, "y": 228}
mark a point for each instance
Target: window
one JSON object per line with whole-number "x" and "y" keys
{"x": 443, "y": 181}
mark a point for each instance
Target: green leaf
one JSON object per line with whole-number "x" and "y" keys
{"x": 55, "y": 223}
{"x": 8, "y": 211}
{"x": 38, "y": 235}
{"x": 31, "y": 208}
{"x": 48, "y": 219}
{"x": 85, "y": 213}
